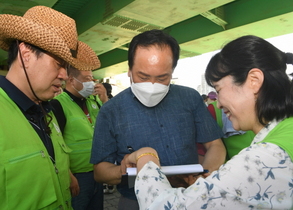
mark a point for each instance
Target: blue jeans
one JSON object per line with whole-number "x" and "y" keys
{"x": 91, "y": 196}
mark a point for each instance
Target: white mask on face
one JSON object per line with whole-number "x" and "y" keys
{"x": 88, "y": 88}
{"x": 149, "y": 94}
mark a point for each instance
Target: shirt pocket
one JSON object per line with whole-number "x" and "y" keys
{"x": 29, "y": 183}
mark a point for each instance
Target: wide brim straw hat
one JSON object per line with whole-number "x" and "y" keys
{"x": 51, "y": 31}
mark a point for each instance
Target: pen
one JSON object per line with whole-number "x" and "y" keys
{"x": 205, "y": 171}
{"x": 201, "y": 173}
{"x": 130, "y": 149}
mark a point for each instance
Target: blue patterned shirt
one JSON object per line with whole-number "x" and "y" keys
{"x": 172, "y": 127}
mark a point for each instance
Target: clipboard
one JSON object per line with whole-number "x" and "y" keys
{"x": 129, "y": 178}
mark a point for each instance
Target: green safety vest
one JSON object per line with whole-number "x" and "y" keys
{"x": 282, "y": 135}
{"x": 78, "y": 132}
{"x": 218, "y": 114}
{"x": 234, "y": 144}
{"x": 28, "y": 178}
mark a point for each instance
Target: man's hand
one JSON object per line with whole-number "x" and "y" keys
{"x": 74, "y": 186}
{"x": 125, "y": 163}
{"x": 178, "y": 181}
{"x": 185, "y": 180}
{"x": 101, "y": 92}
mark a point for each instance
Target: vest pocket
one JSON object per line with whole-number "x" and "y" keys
{"x": 29, "y": 183}
{"x": 80, "y": 161}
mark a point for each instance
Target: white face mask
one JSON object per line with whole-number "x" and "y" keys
{"x": 149, "y": 94}
{"x": 88, "y": 88}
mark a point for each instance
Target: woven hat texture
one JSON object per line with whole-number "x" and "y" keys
{"x": 50, "y": 30}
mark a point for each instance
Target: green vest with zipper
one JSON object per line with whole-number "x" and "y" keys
{"x": 282, "y": 135}
{"x": 28, "y": 177}
{"x": 78, "y": 132}
{"x": 218, "y": 114}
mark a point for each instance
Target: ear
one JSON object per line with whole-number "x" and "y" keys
{"x": 129, "y": 73}
{"x": 70, "y": 80}
{"x": 255, "y": 79}
{"x": 24, "y": 53}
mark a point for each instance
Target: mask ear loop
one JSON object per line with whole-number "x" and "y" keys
{"x": 131, "y": 78}
{"x": 47, "y": 122}
{"x": 79, "y": 82}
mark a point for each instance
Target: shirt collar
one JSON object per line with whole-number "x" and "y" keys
{"x": 265, "y": 131}
{"x": 79, "y": 101}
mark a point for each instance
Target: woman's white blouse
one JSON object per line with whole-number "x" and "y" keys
{"x": 259, "y": 177}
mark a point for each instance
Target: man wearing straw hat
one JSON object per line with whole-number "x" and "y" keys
{"x": 34, "y": 164}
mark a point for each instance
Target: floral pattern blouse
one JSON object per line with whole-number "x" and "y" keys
{"x": 259, "y": 177}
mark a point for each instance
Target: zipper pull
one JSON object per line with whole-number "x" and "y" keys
{"x": 56, "y": 169}
{"x": 42, "y": 153}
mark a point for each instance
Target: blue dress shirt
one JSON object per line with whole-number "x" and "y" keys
{"x": 172, "y": 127}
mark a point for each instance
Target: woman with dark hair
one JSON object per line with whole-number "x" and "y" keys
{"x": 255, "y": 93}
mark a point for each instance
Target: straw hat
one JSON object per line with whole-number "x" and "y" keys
{"x": 50, "y": 30}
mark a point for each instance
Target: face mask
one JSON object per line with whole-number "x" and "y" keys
{"x": 88, "y": 88}
{"x": 149, "y": 94}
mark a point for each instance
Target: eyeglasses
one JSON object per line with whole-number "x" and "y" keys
{"x": 60, "y": 62}
{"x": 63, "y": 64}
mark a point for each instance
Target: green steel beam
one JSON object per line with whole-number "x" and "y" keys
{"x": 193, "y": 28}
{"x": 240, "y": 15}
{"x": 237, "y": 13}
{"x": 243, "y": 12}
{"x": 114, "y": 56}
{"x": 96, "y": 11}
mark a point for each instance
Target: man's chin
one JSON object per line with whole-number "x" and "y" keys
{"x": 48, "y": 97}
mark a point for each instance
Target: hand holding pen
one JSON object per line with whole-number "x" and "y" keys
{"x": 125, "y": 161}
{"x": 126, "y": 157}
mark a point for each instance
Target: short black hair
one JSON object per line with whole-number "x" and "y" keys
{"x": 204, "y": 96}
{"x": 13, "y": 51}
{"x": 151, "y": 38}
{"x": 73, "y": 72}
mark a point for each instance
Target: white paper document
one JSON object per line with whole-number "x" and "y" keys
{"x": 173, "y": 170}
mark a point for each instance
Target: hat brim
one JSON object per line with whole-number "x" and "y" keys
{"x": 45, "y": 37}
{"x": 86, "y": 58}
{"x": 16, "y": 27}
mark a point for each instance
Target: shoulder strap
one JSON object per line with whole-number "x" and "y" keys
{"x": 95, "y": 98}
{"x": 59, "y": 113}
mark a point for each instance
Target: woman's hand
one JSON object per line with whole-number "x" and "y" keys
{"x": 140, "y": 157}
